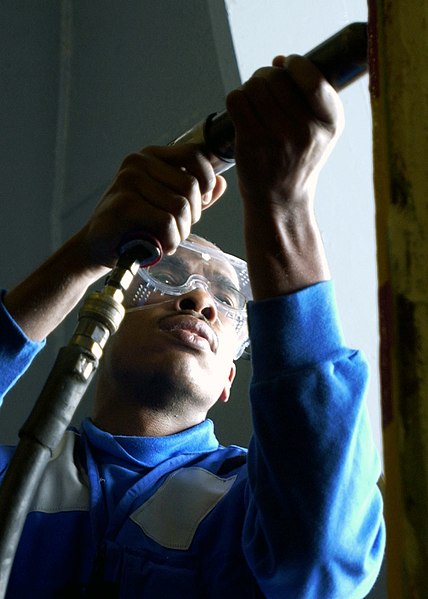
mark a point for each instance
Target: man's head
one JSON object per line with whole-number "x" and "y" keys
{"x": 198, "y": 263}
{"x": 184, "y": 326}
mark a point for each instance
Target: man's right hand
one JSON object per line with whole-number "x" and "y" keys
{"x": 160, "y": 192}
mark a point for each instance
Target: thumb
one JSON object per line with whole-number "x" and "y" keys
{"x": 215, "y": 194}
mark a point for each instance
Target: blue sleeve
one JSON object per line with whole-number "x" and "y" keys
{"x": 314, "y": 526}
{"x": 16, "y": 351}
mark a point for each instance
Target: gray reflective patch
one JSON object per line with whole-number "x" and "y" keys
{"x": 172, "y": 515}
{"x": 61, "y": 488}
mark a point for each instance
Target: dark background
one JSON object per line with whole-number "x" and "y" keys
{"x": 83, "y": 84}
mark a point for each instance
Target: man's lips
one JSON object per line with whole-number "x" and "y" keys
{"x": 191, "y": 329}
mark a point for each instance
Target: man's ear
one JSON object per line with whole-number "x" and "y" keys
{"x": 226, "y": 391}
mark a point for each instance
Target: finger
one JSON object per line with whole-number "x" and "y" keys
{"x": 156, "y": 180}
{"x": 217, "y": 192}
{"x": 320, "y": 95}
{"x": 190, "y": 158}
{"x": 147, "y": 191}
{"x": 176, "y": 205}
{"x": 275, "y": 100}
{"x": 267, "y": 106}
{"x": 242, "y": 114}
{"x": 136, "y": 215}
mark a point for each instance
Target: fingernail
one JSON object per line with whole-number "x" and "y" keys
{"x": 281, "y": 61}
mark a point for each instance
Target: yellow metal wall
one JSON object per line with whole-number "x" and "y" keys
{"x": 399, "y": 87}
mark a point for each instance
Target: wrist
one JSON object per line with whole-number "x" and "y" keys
{"x": 79, "y": 257}
{"x": 40, "y": 302}
{"x": 285, "y": 252}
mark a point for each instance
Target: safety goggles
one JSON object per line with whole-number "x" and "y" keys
{"x": 195, "y": 265}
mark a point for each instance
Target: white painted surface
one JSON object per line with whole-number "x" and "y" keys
{"x": 345, "y": 204}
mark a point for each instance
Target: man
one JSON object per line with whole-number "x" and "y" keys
{"x": 143, "y": 502}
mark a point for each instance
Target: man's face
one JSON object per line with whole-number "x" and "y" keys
{"x": 184, "y": 344}
{"x": 198, "y": 264}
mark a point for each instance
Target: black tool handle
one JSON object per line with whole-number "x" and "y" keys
{"x": 342, "y": 59}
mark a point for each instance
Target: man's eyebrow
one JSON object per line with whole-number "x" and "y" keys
{"x": 220, "y": 277}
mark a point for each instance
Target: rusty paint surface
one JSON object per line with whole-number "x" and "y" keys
{"x": 386, "y": 344}
{"x": 400, "y": 132}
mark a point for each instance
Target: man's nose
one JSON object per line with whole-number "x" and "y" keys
{"x": 199, "y": 300}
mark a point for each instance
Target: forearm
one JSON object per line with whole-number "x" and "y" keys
{"x": 287, "y": 119}
{"x": 160, "y": 191}
{"x": 284, "y": 250}
{"x": 313, "y": 467}
{"x": 40, "y": 302}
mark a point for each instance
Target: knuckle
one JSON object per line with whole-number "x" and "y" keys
{"x": 334, "y": 126}
{"x": 255, "y": 84}
{"x": 205, "y": 178}
{"x": 168, "y": 233}
{"x": 180, "y": 206}
{"x": 233, "y": 98}
{"x": 190, "y": 185}
{"x": 169, "y": 223}
{"x": 196, "y": 216}
{"x": 148, "y": 151}
{"x": 262, "y": 72}
{"x": 294, "y": 60}
{"x": 139, "y": 160}
{"x": 130, "y": 161}
{"x": 126, "y": 177}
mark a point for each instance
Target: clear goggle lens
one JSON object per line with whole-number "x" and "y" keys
{"x": 195, "y": 265}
